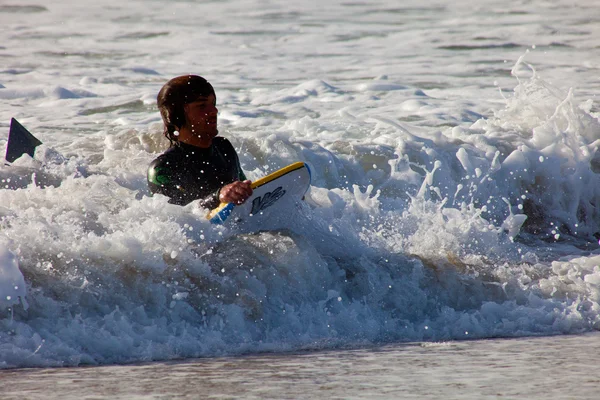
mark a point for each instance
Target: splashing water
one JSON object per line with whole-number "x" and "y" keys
{"x": 426, "y": 221}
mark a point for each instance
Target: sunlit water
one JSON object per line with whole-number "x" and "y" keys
{"x": 455, "y": 179}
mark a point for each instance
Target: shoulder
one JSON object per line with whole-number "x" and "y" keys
{"x": 224, "y": 145}
{"x": 163, "y": 165}
{"x": 171, "y": 155}
{"x": 220, "y": 141}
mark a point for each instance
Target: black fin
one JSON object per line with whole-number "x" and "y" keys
{"x": 20, "y": 141}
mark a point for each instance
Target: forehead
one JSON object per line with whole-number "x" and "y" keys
{"x": 204, "y": 98}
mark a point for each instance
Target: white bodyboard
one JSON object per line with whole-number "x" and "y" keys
{"x": 273, "y": 196}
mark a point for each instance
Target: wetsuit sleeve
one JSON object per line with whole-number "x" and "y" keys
{"x": 164, "y": 178}
{"x": 211, "y": 201}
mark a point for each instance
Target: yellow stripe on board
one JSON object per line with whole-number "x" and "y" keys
{"x": 286, "y": 170}
{"x": 214, "y": 211}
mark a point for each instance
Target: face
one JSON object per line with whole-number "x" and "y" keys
{"x": 201, "y": 117}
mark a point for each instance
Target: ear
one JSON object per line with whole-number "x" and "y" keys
{"x": 175, "y": 119}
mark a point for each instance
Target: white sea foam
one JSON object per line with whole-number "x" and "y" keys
{"x": 455, "y": 184}
{"x": 12, "y": 284}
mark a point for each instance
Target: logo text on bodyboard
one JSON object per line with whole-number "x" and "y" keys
{"x": 266, "y": 200}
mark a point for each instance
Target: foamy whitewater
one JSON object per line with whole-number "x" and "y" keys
{"x": 455, "y": 194}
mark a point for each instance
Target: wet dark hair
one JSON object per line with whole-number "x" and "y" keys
{"x": 174, "y": 95}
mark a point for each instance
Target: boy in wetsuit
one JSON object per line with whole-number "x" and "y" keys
{"x": 198, "y": 165}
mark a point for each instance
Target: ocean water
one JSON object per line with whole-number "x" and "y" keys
{"x": 454, "y": 150}
{"x": 521, "y": 368}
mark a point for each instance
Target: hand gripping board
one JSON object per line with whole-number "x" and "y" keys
{"x": 270, "y": 195}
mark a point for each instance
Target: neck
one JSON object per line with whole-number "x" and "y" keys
{"x": 188, "y": 137}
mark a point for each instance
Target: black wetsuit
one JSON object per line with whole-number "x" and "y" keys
{"x": 185, "y": 173}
